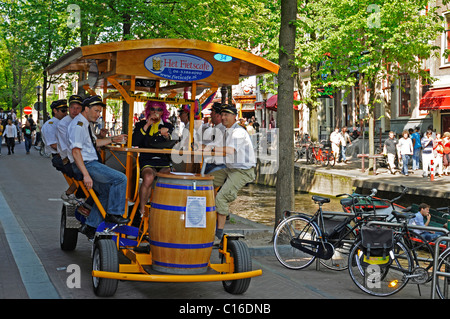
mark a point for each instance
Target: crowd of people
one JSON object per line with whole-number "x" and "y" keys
{"x": 12, "y": 130}
{"x": 69, "y": 137}
{"x": 412, "y": 151}
{"x": 340, "y": 139}
{"x": 429, "y": 151}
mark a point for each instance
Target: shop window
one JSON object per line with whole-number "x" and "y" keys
{"x": 405, "y": 96}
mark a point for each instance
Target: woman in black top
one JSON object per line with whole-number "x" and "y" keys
{"x": 27, "y": 134}
{"x": 152, "y": 132}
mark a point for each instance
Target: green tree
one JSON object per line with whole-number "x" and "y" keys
{"x": 39, "y": 32}
{"x": 285, "y": 173}
{"x": 376, "y": 39}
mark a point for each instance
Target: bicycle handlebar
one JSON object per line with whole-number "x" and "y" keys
{"x": 405, "y": 189}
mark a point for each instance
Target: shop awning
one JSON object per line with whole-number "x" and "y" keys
{"x": 272, "y": 102}
{"x": 436, "y": 99}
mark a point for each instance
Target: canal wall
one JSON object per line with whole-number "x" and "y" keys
{"x": 307, "y": 179}
{"x": 333, "y": 181}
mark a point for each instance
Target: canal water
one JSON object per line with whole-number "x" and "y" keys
{"x": 257, "y": 203}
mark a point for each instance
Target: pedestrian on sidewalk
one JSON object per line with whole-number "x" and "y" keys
{"x": 10, "y": 134}
{"x": 27, "y": 135}
{"x": 415, "y": 138}
{"x": 345, "y": 138}
{"x": 427, "y": 151}
{"x": 438, "y": 153}
{"x": 335, "y": 139}
{"x": 1, "y": 136}
{"x": 405, "y": 148}
{"x": 390, "y": 150}
{"x": 446, "y": 156}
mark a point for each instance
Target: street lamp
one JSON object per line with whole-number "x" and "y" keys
{"x": 38, "y": 93}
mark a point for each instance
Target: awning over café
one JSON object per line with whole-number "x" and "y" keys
{"x": 436, "y": 99}
{"x": 272, "y": 102}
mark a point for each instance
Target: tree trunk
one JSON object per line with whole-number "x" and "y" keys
{"x": 285, "y": 174}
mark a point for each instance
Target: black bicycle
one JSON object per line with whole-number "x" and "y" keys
{"x": 301, "y": 238}
{"x": 411, "y": 258}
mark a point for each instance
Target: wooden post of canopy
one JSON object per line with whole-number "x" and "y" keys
{"x": 192, "y": 115}
{"x": 130, "y": 100}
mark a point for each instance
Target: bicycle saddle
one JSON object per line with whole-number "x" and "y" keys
{"x": 405, "y": 215}
{"x": 320, "y": 199}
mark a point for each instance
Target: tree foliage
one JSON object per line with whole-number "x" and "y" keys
{"x": 375, "y": 39}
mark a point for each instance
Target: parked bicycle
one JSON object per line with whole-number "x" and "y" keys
{"x": 410, "y": 258}
{"x": 300, "y": 147}
{"x": 301, "y": 238}
{"x": 319, "y": 154}
{"x": 442, "y": 264}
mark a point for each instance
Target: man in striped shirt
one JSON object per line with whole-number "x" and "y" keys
{"x": 427, "y": 151}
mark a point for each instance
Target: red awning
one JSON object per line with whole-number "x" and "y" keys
{"x": 436, "y": 99}
{"x": 272, "y": 102}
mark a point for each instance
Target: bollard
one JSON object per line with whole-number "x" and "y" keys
{"x": 432, "y": 171}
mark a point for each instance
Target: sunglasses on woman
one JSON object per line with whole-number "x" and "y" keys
{"x": 156, "y": 109}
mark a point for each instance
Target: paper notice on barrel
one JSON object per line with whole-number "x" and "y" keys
{"x": 195, "y": 212}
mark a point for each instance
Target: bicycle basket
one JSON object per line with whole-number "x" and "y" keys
{"x": 376, "y": 244}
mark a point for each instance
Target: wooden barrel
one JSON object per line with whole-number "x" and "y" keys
{"x": 182, "y": 223}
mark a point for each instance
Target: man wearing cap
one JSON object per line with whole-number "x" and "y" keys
{"x": 240, "y": 165}
{"x": 75, "y": 107}
{"x": 215, "y": 134}
{"x": 109, "y": 184}
{"x": 48, "y": 130}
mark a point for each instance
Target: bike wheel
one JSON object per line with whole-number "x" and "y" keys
{"x": 443, "y": 282}
{"x": 339, "y": 261}
{"x": 242, "y": 263}
{"x": 297, "y": 227}
{"x": 331, "y": 159}
{"x": 105, "y": 258}
{"x": 421, "y": 252}
{"x": 381, "y": 281}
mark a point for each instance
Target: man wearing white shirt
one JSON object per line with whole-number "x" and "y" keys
{"x": 240, "y": 162}
{"x": 335, "y": 139}
{"x": 63, "y": 164}
{"x": 10, "y": 133}
{"x": 215, "y": 135}
{"x": 48, "y": 130}
{"x": 109, "y": 184}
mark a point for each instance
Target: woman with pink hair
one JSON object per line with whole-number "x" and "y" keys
{"x": 152, "y": 132}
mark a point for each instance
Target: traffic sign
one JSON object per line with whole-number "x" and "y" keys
{"x": 27, "y": 110}
{"x": 38, "y": 106}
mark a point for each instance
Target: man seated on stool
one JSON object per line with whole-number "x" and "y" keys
{"x": 215, "y": 134}
{"x": 240, "y": 165}
{"x": 109, "y": 184}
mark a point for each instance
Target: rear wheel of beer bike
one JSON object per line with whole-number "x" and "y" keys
{"x": 68, "y": 237}
{"x": 105, "y": 258}
{"x": 242, "y": 263}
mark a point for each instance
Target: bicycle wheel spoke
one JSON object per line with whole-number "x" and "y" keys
{"x": 380, "y": 280}
{"x": 442, "y": 281}
{"x": 298, "y": 228}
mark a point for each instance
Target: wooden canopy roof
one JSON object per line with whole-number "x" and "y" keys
{"x": 124, "y": 60}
